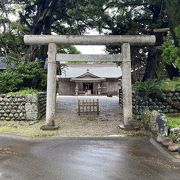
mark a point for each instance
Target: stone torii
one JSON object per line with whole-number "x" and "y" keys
{"x": 125, "y": 40}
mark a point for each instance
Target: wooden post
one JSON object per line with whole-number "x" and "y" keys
{"x": 90, "y": 105}
{"x": 79, "y": 106}
{"x": 77, "y": 89}
{"x": 97, "y": 106}
{"x": 83, "y": 107}
{"x": 99, "y": 89}
{"x": 126, "y": 84}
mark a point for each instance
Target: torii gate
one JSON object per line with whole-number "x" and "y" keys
{"x": 124, "y": 57}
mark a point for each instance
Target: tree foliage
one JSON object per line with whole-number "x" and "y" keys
{"x": 171, "y": 53}
{"x": 125, "y": 17}
{"x": 34, "y": 17}
{"x": 173, "y": 14}
{"x": 22, "y": 76}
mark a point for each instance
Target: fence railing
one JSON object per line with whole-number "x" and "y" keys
{"x": 88, "y": 106}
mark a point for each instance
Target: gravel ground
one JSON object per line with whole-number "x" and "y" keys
{"x": 104, "y": 124}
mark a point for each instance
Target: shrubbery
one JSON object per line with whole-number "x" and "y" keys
{"x": 148, "y": 87}
{"x": 171, "y": 53}
{"x": 154, "y": 86}
{"x": 24, "y": 91}
{"x": 23, "y": 76}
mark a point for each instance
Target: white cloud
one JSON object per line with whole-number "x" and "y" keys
{"x": 88, "y": 49}
{"x": 91, "y": 49}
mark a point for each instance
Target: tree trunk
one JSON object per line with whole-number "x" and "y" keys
{"x": 173, "y": 14}
{"x": 154, "y": 55}
{"x": 172, "y": 71}
{"x": 41, "y": 25}
{"x": 151, "y": 66}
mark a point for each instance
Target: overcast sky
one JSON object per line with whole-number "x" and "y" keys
{"x": 91, "y": 49}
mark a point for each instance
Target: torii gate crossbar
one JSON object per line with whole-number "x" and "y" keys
{"x": 125, "y": 40}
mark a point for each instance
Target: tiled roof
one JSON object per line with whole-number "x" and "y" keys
{"x": 100, "y": 70}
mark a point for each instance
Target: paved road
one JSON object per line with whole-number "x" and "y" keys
{"x": 83, "y": 159}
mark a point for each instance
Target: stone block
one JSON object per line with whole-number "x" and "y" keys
{"x": 21, "y": 115}
{"x": 10, "y": 115}
{"x": 30, "y": 116}
{"x": 13, "y": 111}
{"x": 22, "y": 107}
{"x": 31, "y": 107}
{"x": 162, "y": 124}
{"x": 5, "y": 115}
{"x": 8, "y": 111}
{"x": 32, "y": 98}
{"x": 2, "y": 103}
{"x": 173, "y": 147}
{"x": 167, "y": 142}
{"x": 3, "y": 95}
{"x": 155, "y": 114}
{"x": 16, "y": 115}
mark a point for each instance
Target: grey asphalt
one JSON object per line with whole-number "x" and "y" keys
{"x": 129, "y": 158}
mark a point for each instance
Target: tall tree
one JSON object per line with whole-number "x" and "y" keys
{"x": 35, "y": 17}
{"x": 173, "y": 13}
{"x": 109, "y": 17}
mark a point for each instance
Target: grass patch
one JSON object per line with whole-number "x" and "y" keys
{"x": 173, "y": 122}
{"x": 170, "y": 85}
{"x": 24, "y": 92}
{"x": 23, "y": 128}
{"x": 157, "y": 86}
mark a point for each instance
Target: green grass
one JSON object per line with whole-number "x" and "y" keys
{"x": 23, "y": 128}
{"x": 24, "y": 92}
{"x": 171, "y": 84}
{"x": 174, "y": 122}
{"x": 154, "y": 86}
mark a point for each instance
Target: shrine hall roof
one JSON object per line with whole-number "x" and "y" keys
{"x": 99, "y": 70}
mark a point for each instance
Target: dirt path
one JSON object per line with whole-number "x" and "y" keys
{"x": 104, "y": 124}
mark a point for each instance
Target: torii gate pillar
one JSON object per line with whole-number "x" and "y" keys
{"x": 126, "y": 84}
{"x": 125, "y": 40}
{"x": 51, "y": 88}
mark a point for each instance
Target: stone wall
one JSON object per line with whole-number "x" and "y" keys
{"x": 41, "y": 104}
{"x": 22, "y": 107}
{"x": 141, "y": 103}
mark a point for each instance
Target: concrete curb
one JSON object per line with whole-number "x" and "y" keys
{"x": 36, "y": 139}
{"x": 163, "y": 151}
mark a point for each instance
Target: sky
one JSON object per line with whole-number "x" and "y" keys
{"x": 91, "y": 49}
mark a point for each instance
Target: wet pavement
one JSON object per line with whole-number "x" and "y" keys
{"x": 83, "y": 159}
